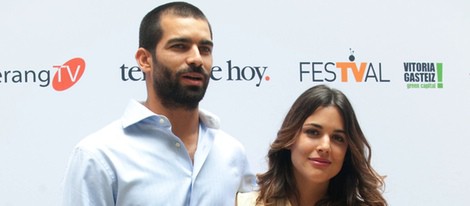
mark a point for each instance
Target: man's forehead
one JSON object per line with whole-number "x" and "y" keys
{"x": 180, "y": 25}
{"x": 172, "y": 17}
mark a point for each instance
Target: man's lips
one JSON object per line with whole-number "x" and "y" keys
{"x": 193, "y": 76}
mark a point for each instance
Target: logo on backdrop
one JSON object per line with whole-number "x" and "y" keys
{"x": 342, "y": 71}
{"x": 423, "y": 75}
{"x": 229, "y": 72}
{"x": 65, "y": 76}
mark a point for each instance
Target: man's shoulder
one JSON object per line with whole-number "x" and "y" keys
{"x": 221, "y": 138}
{"x": 221, "y": 135}
{"x": 102, "y": 136}
{"x": 226, "y": 143}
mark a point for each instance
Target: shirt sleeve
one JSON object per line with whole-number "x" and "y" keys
{"x": 248, "y": 182}
{"x": 87, "y": 181}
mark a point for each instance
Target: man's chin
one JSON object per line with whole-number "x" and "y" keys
{"x": 195, "y": 90}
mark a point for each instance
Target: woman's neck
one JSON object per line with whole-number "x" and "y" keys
{"x": 311, "y": 193}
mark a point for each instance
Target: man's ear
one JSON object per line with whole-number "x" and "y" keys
{"x": 144, "y": 59}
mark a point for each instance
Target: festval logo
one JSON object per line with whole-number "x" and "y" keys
{"x": 423, "y": 75}
{"x": 319, "y": 71}
{"x": 65, "y": 76}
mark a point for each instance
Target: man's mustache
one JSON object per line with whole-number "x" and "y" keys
{"x": 198, "y": 69}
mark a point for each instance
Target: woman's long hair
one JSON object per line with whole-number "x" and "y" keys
{"x": 356, "y": 184}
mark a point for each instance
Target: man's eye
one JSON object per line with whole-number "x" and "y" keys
{"x": 178, "y": 46}
{"x": 205, "y": 50}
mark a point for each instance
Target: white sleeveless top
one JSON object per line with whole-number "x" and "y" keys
{"x": 249, "y": 199}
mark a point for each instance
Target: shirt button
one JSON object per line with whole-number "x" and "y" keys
{"x": 162, "y": 121}
{"x": 178, "y": 144}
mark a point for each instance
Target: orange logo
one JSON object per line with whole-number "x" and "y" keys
{"x": 321, "y": 71}
{"x": 68, "y": 74}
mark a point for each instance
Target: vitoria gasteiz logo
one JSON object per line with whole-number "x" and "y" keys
{"x": 423, "y": 75}
{"x": 65, "y": 75}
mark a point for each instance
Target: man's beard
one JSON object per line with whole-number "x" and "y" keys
{"x": 172, "y": 93}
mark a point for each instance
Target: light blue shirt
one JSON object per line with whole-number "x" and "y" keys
{"x": 137, "y": 160}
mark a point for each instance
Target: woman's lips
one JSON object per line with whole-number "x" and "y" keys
{"x": 320, "y": 162}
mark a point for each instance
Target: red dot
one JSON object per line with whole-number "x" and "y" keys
{"x": 267, "y": 78}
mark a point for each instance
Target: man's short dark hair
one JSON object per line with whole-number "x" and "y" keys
{"x": 151, "y": 31}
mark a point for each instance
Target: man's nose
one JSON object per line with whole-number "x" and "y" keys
{"x": 194, "y": 57}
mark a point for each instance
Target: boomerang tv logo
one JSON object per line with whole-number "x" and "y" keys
{"x": 65, "y": 76}
{"x": 68, "y": 74}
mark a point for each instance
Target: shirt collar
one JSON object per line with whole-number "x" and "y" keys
{"x": 209, "y": 119}
{"x": 136, "y": 112}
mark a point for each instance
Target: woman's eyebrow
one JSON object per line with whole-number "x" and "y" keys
{"x": 321, "y": 127}
{"x": 314, "y": 125}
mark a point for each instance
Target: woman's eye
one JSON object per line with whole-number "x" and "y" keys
{"x": 339, "y": 138}
{"x": 312, "y": 132}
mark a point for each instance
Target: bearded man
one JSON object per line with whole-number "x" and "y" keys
{"x": 165, "y": 150}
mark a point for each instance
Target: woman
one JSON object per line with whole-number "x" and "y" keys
{"x": 320, "y": 157}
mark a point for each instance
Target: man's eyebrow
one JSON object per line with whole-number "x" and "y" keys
{"x": 207, "y": 43}
{"x": 178, "y": 40}
{"x": 187, "y": 40}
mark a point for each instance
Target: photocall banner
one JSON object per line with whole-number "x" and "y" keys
{"x": 67, "y": 69}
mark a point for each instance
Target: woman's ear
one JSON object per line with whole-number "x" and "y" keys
{"x": 144, "y": 59}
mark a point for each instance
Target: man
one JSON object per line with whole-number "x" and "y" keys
{"x": 164, "y": 151}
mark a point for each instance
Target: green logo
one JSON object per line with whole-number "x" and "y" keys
{"x": 423, "y": 75}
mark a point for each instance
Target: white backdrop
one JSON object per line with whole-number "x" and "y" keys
{"x": 419, "y": 136}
